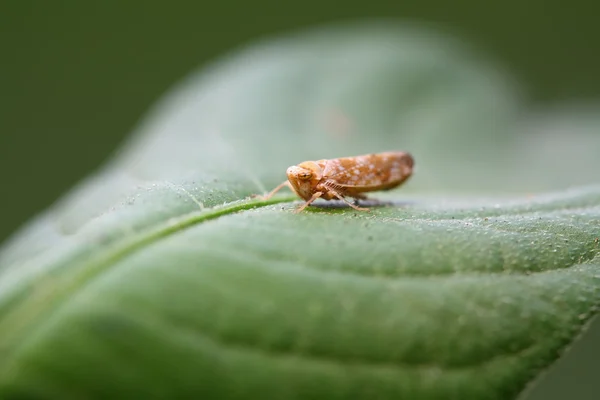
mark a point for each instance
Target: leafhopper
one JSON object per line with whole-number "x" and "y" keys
{"x": 339, "y": 178}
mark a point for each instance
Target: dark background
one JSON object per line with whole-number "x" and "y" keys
{"x": 75, "y": 76}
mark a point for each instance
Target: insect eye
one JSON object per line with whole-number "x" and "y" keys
{"x": 305, "y": 175}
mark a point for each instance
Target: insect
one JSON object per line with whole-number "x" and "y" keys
{"x": 339, "y": 178}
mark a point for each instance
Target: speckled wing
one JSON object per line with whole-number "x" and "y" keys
{"x": 369, "y": 172}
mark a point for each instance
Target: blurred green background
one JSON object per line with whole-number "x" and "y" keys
{"x": 76, "y": 76}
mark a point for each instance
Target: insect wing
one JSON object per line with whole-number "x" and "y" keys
{"x": 369, "y": 172}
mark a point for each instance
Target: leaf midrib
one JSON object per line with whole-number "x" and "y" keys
{"x": 12, "y": 325}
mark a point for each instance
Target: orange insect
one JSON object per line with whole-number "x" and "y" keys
{"x": 339, "y": 178}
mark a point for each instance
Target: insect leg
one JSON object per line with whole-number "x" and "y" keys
{"x": 313, "y": 198}
{"x": 336, "y": 194}
{"x": 272, "y": 192}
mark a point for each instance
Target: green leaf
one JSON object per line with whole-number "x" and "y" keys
{"x": 160, "y": 277}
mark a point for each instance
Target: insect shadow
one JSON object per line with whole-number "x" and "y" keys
{"x": 362, "y": 203}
